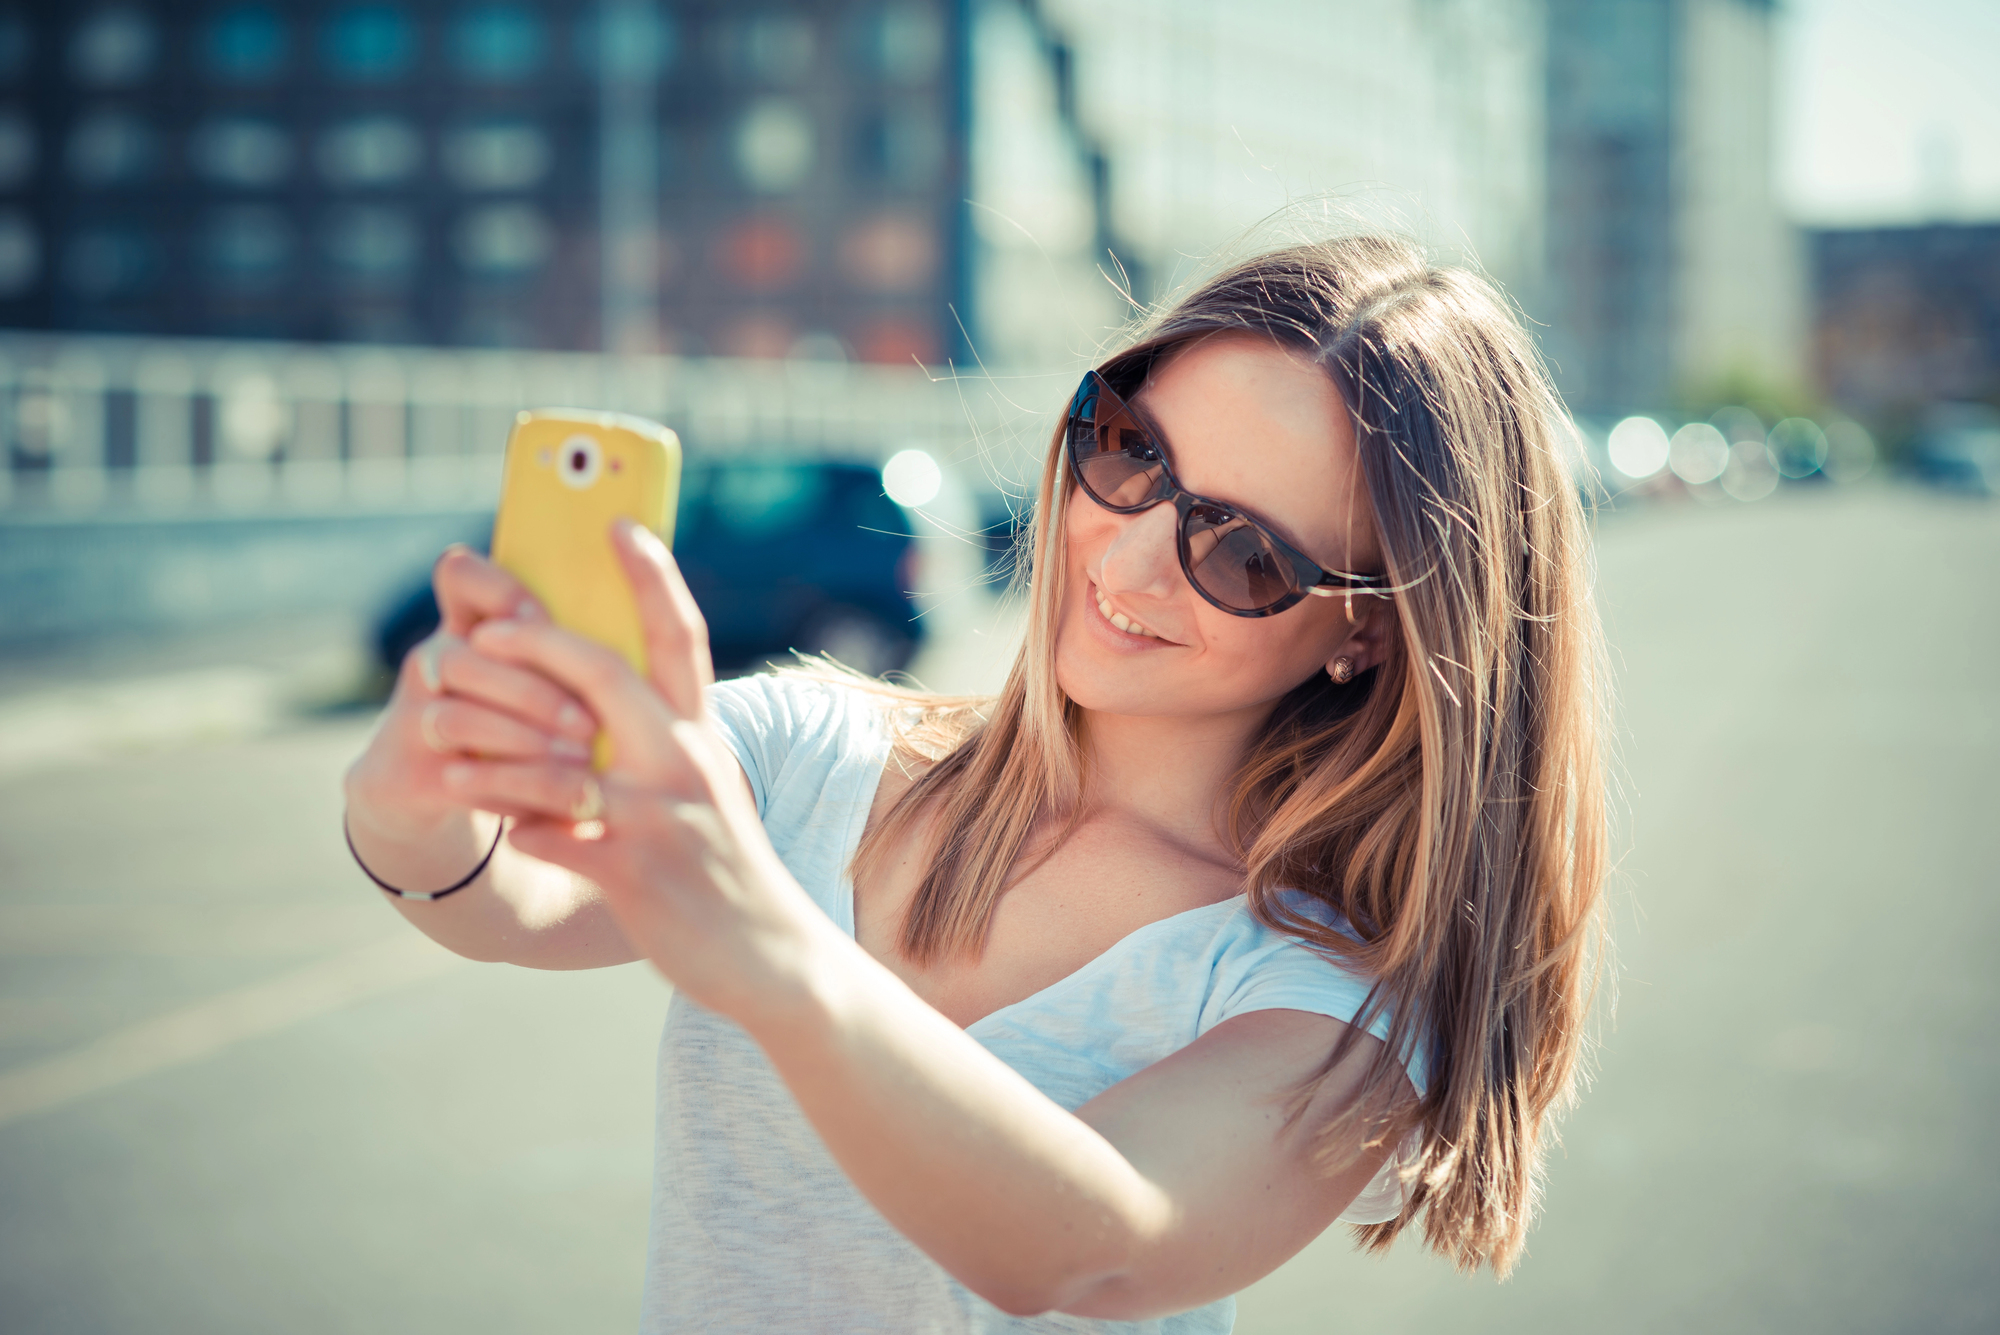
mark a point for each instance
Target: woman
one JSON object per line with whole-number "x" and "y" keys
{"x": 1263, "y": 895}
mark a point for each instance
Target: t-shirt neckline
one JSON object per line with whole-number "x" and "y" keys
{"x": 845, "y": 898}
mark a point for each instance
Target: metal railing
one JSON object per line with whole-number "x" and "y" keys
{"x": 96, "y": 424}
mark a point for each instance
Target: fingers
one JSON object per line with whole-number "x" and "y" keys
{"x": 676, "y": 634}
{"x": 569, "y": 793}
{"x": 632, "y": 711}
{"x": 471, "y": 589}
{"x": 445, "y": 665}
{"x": 452, "y": 727}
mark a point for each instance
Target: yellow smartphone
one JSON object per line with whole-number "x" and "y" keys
{"x": 569, "y": 474}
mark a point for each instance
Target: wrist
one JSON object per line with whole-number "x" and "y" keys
{"x": 396, "y": 820}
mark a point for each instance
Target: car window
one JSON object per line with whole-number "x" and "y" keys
{"x": 757, "y": 500}
{"x": 689, "y": 505}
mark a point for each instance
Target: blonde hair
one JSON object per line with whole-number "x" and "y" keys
{"x": 1449, "y": 803}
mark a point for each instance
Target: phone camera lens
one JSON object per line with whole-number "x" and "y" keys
{"x": 580, "y": 462}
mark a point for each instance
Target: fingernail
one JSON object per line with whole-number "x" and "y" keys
{"x": 499, "y": 627}
{"x": 569, "y": 749}
{"x": 529, "y": 610}
{"x": 457, "y": 776}
{"x": 573, "y": 720}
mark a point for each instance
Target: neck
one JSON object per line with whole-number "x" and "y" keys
{"x": 1171, "y": 774}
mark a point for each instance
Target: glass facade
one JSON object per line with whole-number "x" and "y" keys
{"x": 436, "y": 171}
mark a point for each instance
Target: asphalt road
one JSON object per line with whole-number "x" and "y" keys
{"x": 236, "y": 1095}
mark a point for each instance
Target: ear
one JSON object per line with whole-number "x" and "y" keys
{"x": 1371, "y": 630}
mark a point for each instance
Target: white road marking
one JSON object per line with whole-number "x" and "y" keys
{"x": 207, "y": 1027}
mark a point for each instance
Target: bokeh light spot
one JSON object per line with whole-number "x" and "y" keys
{"x": 1638, "y": 447}
{"x": 912, "y": 478}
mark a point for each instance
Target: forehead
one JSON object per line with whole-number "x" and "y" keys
{"x": 1252, "y": 423}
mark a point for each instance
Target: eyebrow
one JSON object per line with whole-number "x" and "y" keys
{"x": 1159, "y": 435}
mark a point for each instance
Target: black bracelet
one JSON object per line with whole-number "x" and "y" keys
{"x": 451, "y": 889}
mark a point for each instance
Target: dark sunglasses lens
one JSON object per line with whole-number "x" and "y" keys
{"x": 1231, "y": 561}
{"x": 1115, "y": 459}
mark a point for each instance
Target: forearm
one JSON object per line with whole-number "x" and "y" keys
{"x": 1017, "y": 1198}
{"x": 517, "y": 911}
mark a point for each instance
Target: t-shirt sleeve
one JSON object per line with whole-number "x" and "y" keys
{"x": 757, "y": 720}
{"x": 1267, "y": 970}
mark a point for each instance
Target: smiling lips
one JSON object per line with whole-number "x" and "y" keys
{"x": 1120, "y": 620}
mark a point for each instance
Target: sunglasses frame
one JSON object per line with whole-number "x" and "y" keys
{"x": 1310, "y": 579}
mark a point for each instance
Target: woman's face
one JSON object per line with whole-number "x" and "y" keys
{"x": 1247, "y": 422}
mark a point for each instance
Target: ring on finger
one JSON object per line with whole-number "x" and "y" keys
{"x": 427, "y": 664}
{"x": 427, "y": 727}
{"x": 589, "y": 805}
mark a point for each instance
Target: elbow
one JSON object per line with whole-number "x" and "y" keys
{"x": 1017, "y": 1302}
{"x": 1073, "y": 1285}
{"x": 1075, "y": 1296}
{"x": 1023, "y": 1298}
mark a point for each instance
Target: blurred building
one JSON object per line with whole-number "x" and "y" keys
{"x": 1906, "y": 316}
{"x": 884, "y": 180}
{"x": 1119, "y": 146}
{"x": 1672, "y": 275}
{"x": 783, "y": 179}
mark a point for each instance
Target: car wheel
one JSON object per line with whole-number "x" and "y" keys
{"x": 863, "y": 640}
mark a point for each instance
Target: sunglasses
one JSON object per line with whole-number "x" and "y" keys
{"x": 1230, "y": 558}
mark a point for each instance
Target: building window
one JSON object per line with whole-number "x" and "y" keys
{"x": 773, "y": 146}
{"x": 16, "y": 44}
{"x": 241, "y": 152}
{"x": 497, "y": 155}
{"x": 369, "y": 43}
{"x": 370, "y": 151}
{"x": 904, "y": 148}
{"x": 20, "y": 254}
{"x": 111, "y": 48}
{"x": 248, "y": 243}
{"x": 899, "y": 44}
{"x": 110, "y": 148}
{"x": 17, "y": 150}
{"x": 891, "y": 252}
{"x": 504, "y": 240}
{"x": 244, "y": 44}
{"x": 642, "y": 41}
{"x": 771, "y": 48}
{"x": 497, "y": 43}
{"x": 104, "y": 262}
{"x": 762, "y": 254}
{"x": 373, "y": 241}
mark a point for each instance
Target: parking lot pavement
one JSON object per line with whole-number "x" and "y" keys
{"x": 1791, "y": 1127}
{"x": 236, "y": 1093}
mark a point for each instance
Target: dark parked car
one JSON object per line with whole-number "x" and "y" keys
{"x": 1958, "y": 448}
{"x": 780, "y": 554}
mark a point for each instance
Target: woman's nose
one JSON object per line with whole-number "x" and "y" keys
{"x": 1142, "y": 557}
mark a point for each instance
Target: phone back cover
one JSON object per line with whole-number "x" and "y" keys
{"x": 568, "y": 476}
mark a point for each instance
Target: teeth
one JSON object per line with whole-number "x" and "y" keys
{"x": 1120, "y": 620}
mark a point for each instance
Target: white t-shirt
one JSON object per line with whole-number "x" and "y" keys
{"x": 755, "y": 1228}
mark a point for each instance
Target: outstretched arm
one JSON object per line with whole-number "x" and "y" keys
{"x": 1176, "y": 1187}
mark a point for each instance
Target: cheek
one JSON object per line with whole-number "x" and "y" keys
{"x": 1287, "y": 647}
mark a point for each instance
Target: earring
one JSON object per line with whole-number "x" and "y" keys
{"x": 1342, "y": 670}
